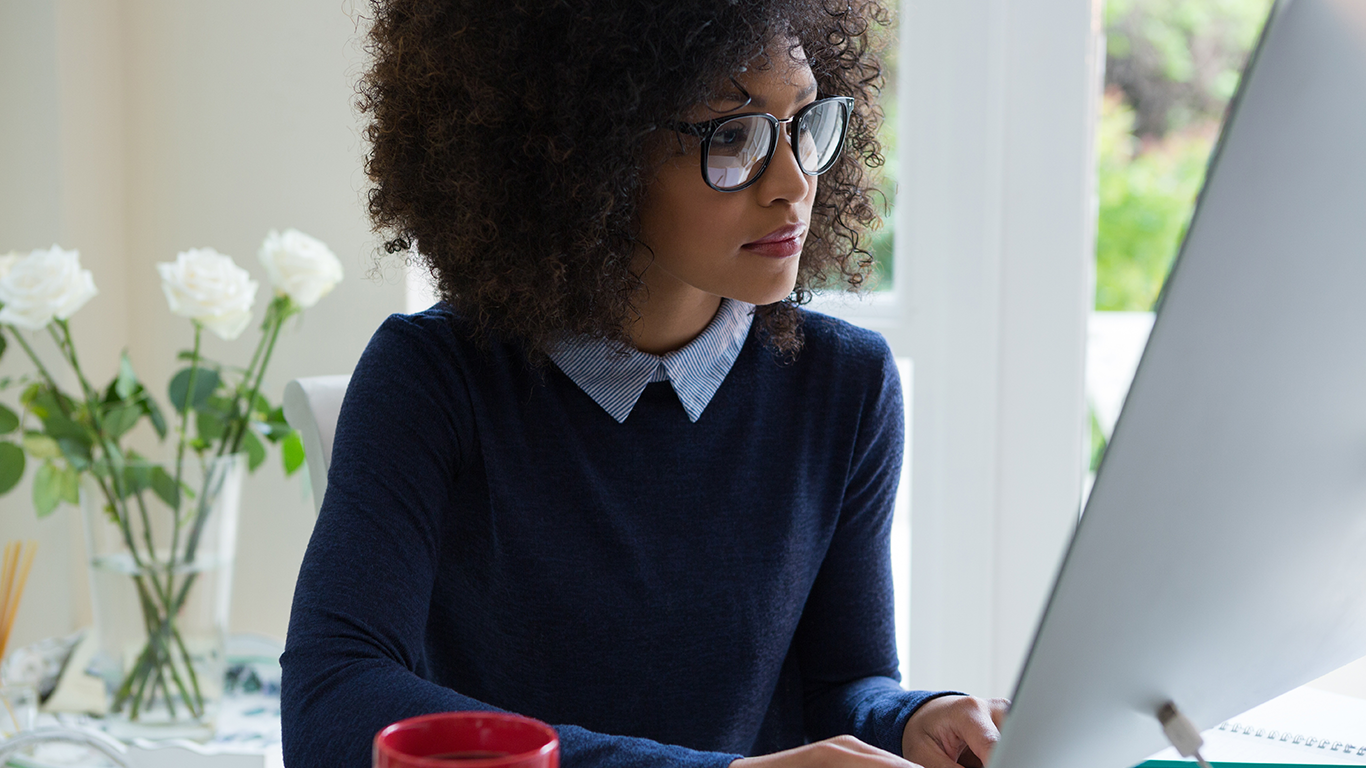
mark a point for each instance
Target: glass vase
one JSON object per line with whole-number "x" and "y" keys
{"x": 161, "y": 564}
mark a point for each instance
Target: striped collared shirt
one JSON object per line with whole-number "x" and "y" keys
{"x": 615, "y": 378}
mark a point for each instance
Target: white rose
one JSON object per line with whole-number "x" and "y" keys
{"x": 43, "y": 285}
{"x": 300, "y": 267}
{"x": 209, "y": 288}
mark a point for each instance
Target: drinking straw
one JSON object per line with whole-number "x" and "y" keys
{"x": 12, "y": 588}
{"x": 6, "y": 578}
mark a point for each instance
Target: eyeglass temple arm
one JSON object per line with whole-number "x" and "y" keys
{"x": 699, "y": 130}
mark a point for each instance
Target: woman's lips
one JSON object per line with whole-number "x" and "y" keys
{"x": 780, "y": 243}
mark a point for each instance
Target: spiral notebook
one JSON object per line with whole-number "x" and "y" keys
{"x": 1306, "y": 726}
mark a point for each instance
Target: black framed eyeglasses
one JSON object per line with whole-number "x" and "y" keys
{"x": 737, "y": 149}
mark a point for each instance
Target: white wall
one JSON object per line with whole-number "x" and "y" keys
{"x": 32, "y": 182}
{"x": 152, "y": 126}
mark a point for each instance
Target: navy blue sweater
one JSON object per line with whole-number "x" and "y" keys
{"x": 661, "y": 591}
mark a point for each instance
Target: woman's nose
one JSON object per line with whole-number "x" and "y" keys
{"x": 784, "y": 179}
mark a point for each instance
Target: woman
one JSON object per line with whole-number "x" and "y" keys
{"x": 618, "y": 479}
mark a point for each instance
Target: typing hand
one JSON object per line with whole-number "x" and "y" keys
{"x": 839, "y": 752}
{"x": 954, "y": 730}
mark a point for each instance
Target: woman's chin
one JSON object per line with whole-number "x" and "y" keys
{"x": 760, "y": 298}
{"x": 761, "y": 289}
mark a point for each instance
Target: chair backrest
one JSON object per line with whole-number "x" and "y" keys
{"x": 311, "y": 406}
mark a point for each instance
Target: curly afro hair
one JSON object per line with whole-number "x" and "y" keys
{"x": 510, "y": 145}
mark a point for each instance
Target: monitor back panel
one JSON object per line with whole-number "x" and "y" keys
{"x": 1221, "y": 559}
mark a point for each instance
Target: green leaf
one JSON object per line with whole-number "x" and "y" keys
{"x": 220, "y": 405}
{"x": 273, "y": 425}
{"x": 276, "y": 431}
{"x": 137, "y": 477}
{"x": 256, "y": 452}
{"x": 127, "y": 382}
{"x": 292, "y": 453}
{"x": 70, "y": 484}
{"x": 29, "y": 399}
{"x": 53, "y": 407}
{"x": 261, "y": 411}
{"x": 208, "y": 426}
{"x": 11, "y": 466}
{"x": 47, "y": 489}
{"x": 47, "y": 404}
{"x": 164, "y": 486}
{"x": 58, "y": 427}
{"x": 206, "y": 381}
{"x": 122, "y": 418}
{"x": 75, "y": 452}
{"x": 153, "y": 411}
{"x": 9, "y": 420}
{"x": 40, "y": 446}
{"x": 4, "y": 343}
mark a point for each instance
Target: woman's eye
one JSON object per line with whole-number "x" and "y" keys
{"x": 730, "y": 137}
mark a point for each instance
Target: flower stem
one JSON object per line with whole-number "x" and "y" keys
{"x": 112, "y": 455}
{"x": 155, "y": 666}
{"x": 228, "y": 434}
{"x": 147, "y": 539}
{"x": 38, "y": 363}
{"x": 166, "y": 691}
{"x": 112, "y": 496}
{"x": 68, "y": 347}
{"x": 141, "y": 671}
{"x": 281, "y": 308}
{"x": 189, "y": 666}
{"x": 184, "y": 436}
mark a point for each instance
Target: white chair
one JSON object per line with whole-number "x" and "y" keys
{"x": 311, "y": 406}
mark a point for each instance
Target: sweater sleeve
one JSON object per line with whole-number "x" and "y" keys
{"x": 354, "y": 660}
{"x": 846, "y": 640}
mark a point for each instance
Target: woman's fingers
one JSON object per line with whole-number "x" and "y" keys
{"x": 849, "y": 752}
{"x": 999, "y": 709}
{"x": 978, "y": 728}
{"x": 839, "y": 752}
{"x": 947, "y": 732}
{"x": 954, "y": 730}
{"x": 933, "y": 755}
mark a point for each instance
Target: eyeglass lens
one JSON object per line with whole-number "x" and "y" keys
{"x": 740, "y": 149}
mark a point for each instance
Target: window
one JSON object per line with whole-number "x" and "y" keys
{"x": 1171, "y": 68}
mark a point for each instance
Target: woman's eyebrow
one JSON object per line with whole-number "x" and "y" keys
{"x": 807, "y": 92}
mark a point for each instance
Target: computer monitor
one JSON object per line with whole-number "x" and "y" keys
{"x": 1221, "y": 559}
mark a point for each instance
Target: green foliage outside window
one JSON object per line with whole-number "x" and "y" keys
{"x": 883, "y": 239}
{"x": 1145, "y": 194}
{"x": 1171, "y": 68}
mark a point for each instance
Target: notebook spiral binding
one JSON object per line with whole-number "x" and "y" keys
{"x": 1290, "y": 737}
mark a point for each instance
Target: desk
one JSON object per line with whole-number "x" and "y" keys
{"x": 248, "y": 734}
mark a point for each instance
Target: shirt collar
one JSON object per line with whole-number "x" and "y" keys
{"x": 615, "y": 377}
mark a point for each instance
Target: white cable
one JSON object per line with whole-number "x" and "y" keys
{"x": 1182, "y": 733}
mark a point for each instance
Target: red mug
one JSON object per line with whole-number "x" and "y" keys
{"x": 470, "y": 739}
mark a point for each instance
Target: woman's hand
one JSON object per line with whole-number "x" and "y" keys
{"x": 954, "y": 730}
{"x": 838, "y": 752}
